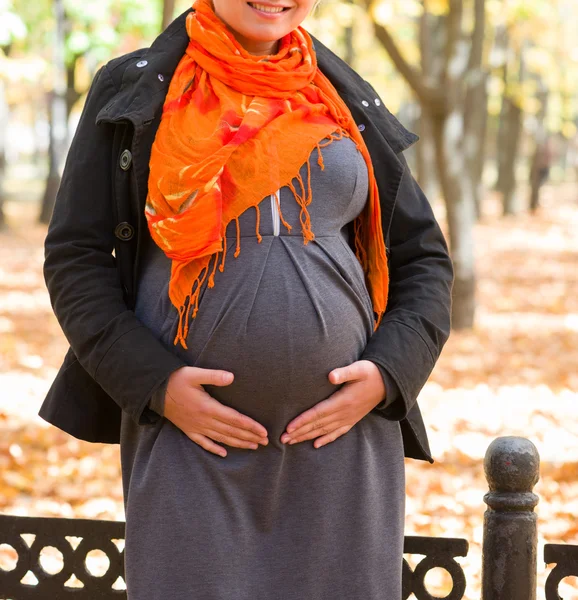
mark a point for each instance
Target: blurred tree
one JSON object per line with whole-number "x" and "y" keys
{"x": 348, "y": 33}
{"x": 168, "y": 13}
{"x": 476, "y": 107}
{"x": 511, "y": 118}
{"x": 534, "y": 59}
{"x": 431, "y": 53}
{"x": 541, "y": 159}
{"x": 11, "y": 29}
{"x": 89, "y": 32}
{"x": 450, "y": 86}
{"x": 58, "y": 111}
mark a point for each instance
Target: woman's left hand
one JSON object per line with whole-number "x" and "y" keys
{"x": 331, "y": 418}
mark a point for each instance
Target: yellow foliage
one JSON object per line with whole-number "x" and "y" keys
{"x": 382, "y": 13}
{"x": 569, "y": 130}
{"x": 437, "y": 7}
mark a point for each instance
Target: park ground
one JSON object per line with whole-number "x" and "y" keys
{"x": 514, "y": 373}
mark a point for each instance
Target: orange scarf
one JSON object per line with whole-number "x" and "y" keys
{"x": 236, "y": 128}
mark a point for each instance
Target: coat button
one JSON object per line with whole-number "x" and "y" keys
{"x": 161, "y": 77}
{"x": 361, "y": 127}
{"x": 125, "y": 160}
{"x": 377, "y": 102}
{"x": 142, "y": 63}
{"x": 124, "y": 231}
{"x": 365, "y": 103}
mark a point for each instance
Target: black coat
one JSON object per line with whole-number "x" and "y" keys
{"x": 95, "y": 240}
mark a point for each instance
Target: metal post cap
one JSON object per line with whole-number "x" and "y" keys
{"x": 512, "y": 464}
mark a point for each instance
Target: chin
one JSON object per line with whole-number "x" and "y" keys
{"x": 250, "y": 25}
{"x": 265, "y": 34}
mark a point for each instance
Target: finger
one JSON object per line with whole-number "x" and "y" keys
{"x": 311, "y": 428}
{"x": 238, "y": 432}
{"x": 325, "y": 429}
{"x": 200, "y": 376}
{"x": 331, "y": 437}
{"x": 327, "y": 408}
{"x": 355, "y": 370}
{"x": 208, "y": 444}
{"x": 231, "y": 441}
{"x": 233, "y": 417}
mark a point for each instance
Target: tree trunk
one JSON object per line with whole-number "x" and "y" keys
{"x": 168, "y": 13}
{"x": 509, "y": 134}
{"x": 349, "y": 55}
{"x": 501, "y": 51}
{"x": 425, "y": 156}
{"x": 536, "y": 181}
{"x": 475, "y": 140}
{"x": 442, "y": 95}
{"x": 476, "y": 109}
{"x": 431, "y": 42}
{"x": 508, "y": 144}
{"x": 541, "y": 158}
{"x": 461, "y": 215}
{"x": 58, "y": 117}
{"x": 72, "y": 95}
{"x": 53, "y": 177}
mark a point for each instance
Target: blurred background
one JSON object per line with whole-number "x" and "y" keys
{"x": 490, "y": 86}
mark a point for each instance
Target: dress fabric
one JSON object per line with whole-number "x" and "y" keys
{"x": 289, "y": 522}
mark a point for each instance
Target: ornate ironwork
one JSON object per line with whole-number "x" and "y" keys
{"x": 48, "y": 531}
{"x": 98, "y": 535}
{"x": 439, "y": 552}
{"x": 566, "y": 558}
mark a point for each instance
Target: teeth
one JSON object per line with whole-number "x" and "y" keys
{"x": 269, "y": 9}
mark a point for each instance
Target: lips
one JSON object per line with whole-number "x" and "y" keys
{"x": 268, "y": 8}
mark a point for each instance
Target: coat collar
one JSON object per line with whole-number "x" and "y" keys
{"x": 146, "y": 81}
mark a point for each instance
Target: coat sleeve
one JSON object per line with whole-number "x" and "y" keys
{"x": 393, "y": 405}
{"x": 157, "y": 401}
{"x": 417, "y": 320}
{"x": 112, "y": 345}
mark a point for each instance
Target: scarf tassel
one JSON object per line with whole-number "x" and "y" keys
{"x": 303, "y": 199}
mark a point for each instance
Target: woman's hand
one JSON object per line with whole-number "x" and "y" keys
{"x": 203, "y": 418}
{"x": 336, "y": 415}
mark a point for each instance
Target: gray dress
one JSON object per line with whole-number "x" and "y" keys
{"x": 284, "y": 522}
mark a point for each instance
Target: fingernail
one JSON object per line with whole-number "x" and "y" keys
{"x": 284, "y": 438}
{"x": 254, "y": 446}
{"x": 264, "y": 441}
{"x": 227, "y": 377}
{"x": 292, "y": 442}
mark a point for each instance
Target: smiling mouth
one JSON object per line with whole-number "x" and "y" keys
{"x": 268, "y": 9}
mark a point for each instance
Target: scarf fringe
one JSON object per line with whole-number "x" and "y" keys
{"x": 281, "y": 218}
{"x": 191, "y": 301}
{"x": 303, "y": 199}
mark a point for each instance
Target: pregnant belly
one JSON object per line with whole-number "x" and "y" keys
{"x": 281, "y": 316}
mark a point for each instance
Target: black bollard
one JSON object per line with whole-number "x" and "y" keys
{"x": 509, "y": 554}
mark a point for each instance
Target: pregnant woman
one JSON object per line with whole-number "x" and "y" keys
{"x": 263, "y": 350}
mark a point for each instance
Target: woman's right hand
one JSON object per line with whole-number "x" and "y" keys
{"x": 203, "y": 418}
